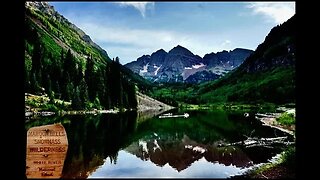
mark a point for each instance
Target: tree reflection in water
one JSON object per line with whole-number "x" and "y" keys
{"x": 178, "y": 142}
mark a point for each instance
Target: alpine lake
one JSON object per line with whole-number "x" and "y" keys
{"x": 140, "y": 144}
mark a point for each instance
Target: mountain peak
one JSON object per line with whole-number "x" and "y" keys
{"x": 49, "y": 10}
{"x": 179, "y": 47}
{"x": 181, "y": 51}
{"x": 159, "y": 51}
{"x": 158, "y": 56}
{"x": 41, "y": 6}
{"x": 240, "y": 49}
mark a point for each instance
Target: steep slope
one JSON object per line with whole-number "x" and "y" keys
{"x": 202, "y": 76}
{"x": 62, "y": 62}
{"x": 165, "y": 67}
{"x": 266, "y": 75}
{"x": 146, "y": 103}
{"x": 226, "y": 60}
{"x": 179, "y": 64}
{"x": 43, "y": 17}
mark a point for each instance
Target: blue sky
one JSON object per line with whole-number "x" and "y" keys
{"x": 131, "y": 29}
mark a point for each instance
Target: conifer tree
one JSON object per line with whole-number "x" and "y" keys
{"x": 89, "y": 78}
{"x": 76, "y": 101}
{"x": 84, "y": 97}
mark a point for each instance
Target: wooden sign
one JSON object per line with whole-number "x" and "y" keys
{"x": 47, "y": 148}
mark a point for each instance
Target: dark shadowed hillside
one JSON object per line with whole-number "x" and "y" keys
{"x": 267, "y": 75}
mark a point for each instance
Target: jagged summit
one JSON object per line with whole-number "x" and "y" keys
{"x": 181, "y": 65}
{"x": 180, "y": 50}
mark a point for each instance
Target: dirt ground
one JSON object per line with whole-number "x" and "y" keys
{"x": 277, "y": 172}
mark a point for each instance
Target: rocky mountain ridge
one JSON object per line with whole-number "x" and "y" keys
{"x": 181, "y": 65}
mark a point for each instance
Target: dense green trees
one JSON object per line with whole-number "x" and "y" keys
{"x": 267, "y": 75}
{"x": 62, "y": 65}
{"x": 97, "y": 86}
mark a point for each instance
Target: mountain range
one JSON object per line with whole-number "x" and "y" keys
{"x": 61, "y": 60}
{"x": 267, "y": 75}
{"x": 185, "y": 152}
{"x": 181, "y": 65}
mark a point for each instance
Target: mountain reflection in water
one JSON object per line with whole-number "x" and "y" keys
{"x": 181, "y": 153}
{"x": 134, "y": 144}
{"x": 130, "y": 166}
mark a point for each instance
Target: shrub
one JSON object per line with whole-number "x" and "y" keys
{"x": 289, "y": 158}
{"x": 286, "y": 119}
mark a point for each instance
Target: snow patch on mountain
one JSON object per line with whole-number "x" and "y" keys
{"x": 145, "y": 69}
{"x": 144, "y": 146}
{"x": 195, "y": 148}
{"x": 156, "y": 71}
{"x": 197, "y": 66}
{"x": 156, "y": 145}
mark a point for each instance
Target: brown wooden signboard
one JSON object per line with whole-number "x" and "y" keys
{"x": 46, "y": 151}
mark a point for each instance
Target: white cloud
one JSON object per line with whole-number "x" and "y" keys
{"x": 129, "y": 44}
{"x": 140, "y": 6}
{"x": 225, "y": 43}
{"x": 135, "y": 37}
{"x": 134, "y": 42}
{"x": 278, "y": 12}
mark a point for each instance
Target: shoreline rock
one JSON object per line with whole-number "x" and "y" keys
{"x": 270, "y": 119}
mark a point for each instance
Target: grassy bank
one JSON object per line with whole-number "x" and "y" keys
{"x": 36, "y": 103}
{"x": 284, "y": 167}
{"x": 233, "y": 106}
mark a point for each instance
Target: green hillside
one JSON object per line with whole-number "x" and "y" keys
{"x": 267, "y": 75}
{"x": 62, "y": 62}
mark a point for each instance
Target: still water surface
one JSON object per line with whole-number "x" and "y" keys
{"x": 135, "y": 144}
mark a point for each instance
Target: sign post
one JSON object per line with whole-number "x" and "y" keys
{"x": 46, "y": 151}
